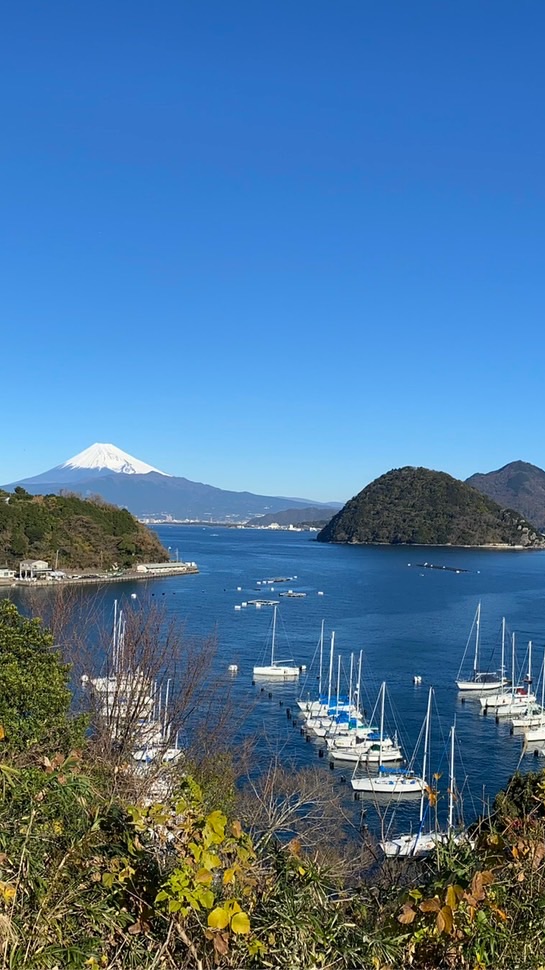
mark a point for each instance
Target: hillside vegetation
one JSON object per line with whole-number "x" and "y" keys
{"x": 102, "y": 867}
{"x": 416, "y": 505}
{"x": 86, "y": 533}
{"x": 518, "y": 485}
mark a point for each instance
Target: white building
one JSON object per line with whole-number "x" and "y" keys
{"x": 166, "y": 568}
{"x": 34, "y": 569}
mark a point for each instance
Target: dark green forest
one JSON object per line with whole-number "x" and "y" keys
{"x": 86, "y": 533}
{"x": 418, "y": 506}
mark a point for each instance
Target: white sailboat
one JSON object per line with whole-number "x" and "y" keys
{"x": 313, "y": 705}
{"x": 131, "y": 705}
{"x": 394, "y": 782}
{"x": 421, "y": 843}
{"x": 533, "y": 716}
{"x": 277, "y": 669}
{"x": 518, "y": 697}
{"x": 536, "y": 732}
{"x": 479, "y": 680}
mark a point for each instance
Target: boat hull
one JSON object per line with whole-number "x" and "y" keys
{"x": 397, "y": 786}
{"x": 279, "y": 672}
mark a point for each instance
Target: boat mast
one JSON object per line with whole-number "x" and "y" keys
{"x": 542, "y": 712}
{"x": 321, "y": 659}
{"x": 381, "y": 724}
{"x": 358, "y": 708}
{"x": 350, "y": 687}
{"x": 512, "y": 666}
{"x": 338, "y": 684}
{"x": 477, "y": 633}
{"x": 114, "y": 640}
{"x": 529, "y": 667}
{"x": 451, "y": 781}
{"x": 502, "y": 668}
{"x": 426, "y": 755}
{"x": 273, "y": 636}
{"x": 330, "y": 669}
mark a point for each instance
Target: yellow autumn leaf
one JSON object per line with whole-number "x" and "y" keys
{"x": 204, "y": 876}
{"x": 446, "y": 913}
{"x": 218, "y": 919}
{"x": 451, "y": 898}
{"x": 7, "y": 892}
{"x": 2, "y": 732}
{"x": 240, "y": 923}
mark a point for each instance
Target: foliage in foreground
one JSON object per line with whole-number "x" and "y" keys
{"x": 90, "y": 877}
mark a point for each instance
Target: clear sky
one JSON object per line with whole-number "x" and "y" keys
{"x": 281, "y": 247}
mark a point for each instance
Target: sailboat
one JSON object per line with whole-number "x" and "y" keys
{"x": 479, "y": 679}
{"x": 421, "y": 843}
{"x": 311, "y": 705}
{"x": 536, "y": 732}
{"x": 533, "y": 715}
{"x": 394, "y": 782}
{"x": 516, "y": 699}
{"x": 277, "y": 669}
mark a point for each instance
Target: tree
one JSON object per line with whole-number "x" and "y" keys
{"x": 34, "y": 694}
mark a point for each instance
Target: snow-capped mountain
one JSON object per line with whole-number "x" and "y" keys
{"x": 109, "y": 458}
{"x": 119, "y": 478}
{"x": 97, "y": 461}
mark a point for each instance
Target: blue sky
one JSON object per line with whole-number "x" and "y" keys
{"x": 276, "y": 247}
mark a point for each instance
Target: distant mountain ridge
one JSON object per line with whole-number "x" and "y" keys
{"x": 147, "y": 492}
{"x": 517, "y": 485}
{"x": 419, "y": 506}
{"x": 303, "y": 516}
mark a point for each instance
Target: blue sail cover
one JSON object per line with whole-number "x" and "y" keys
{"x": 385, "y": 770}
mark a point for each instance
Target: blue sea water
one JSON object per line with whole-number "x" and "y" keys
{"x": 408, "y": 620}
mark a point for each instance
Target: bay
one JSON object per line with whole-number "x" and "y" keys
{"x": 408, "y": 620}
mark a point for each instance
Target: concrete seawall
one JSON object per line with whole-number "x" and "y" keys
{"x": 126, "y": 577}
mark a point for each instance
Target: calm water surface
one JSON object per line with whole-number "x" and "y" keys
{"x": 408, "y": 620}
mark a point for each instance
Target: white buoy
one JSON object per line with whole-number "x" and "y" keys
{"x": 320, "y": 593}
{"x": 244, "y": 604}
{"x": 237, "y": 607}
{"x": 239, "y": 589}
{"x": 133, "y": 596}
{"x": 232, "y": 668}
{"x": 417, "y": 679}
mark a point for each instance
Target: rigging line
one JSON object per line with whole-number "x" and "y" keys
{"x": 468, "y": 641}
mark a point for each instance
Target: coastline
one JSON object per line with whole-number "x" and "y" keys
{"x": 127, "y": 576}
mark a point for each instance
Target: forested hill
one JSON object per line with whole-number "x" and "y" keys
{"x": 519, "y": 485}
{"x": 416, "y": 505}
{"x": 86, "y": 533}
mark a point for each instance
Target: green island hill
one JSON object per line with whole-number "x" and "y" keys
{"x": 417, "y": 506}
{"x": 79, "y": 533}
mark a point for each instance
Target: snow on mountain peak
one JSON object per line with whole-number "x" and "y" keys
{"x": 102, "y": 456}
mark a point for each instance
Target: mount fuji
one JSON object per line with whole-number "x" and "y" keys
{"x": 147, "y": 492}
